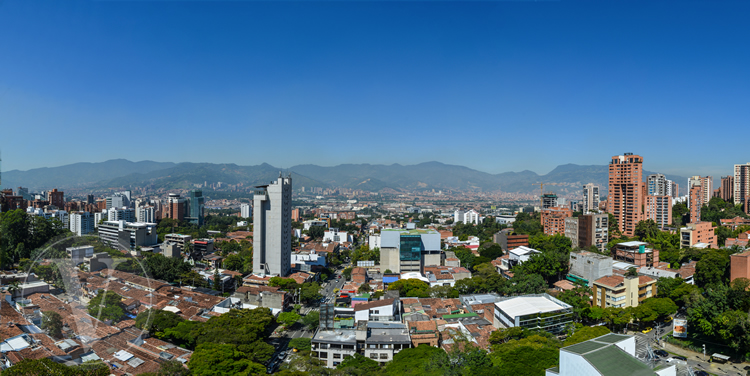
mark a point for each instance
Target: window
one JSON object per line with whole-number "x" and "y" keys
{"x": 336, "y": 356}
{"x": 323, "y": 355}
{"x": 373, "y": 356}
{"x": 383, "y": 356}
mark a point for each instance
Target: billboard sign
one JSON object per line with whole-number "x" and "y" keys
{"x": 680, "y": 328}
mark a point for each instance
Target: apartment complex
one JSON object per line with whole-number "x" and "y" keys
{"x": 656, "y": 185}
{"x": 625, "y": 200}
{"x": 590, "y": 198}
{"x": 56, "y": 198}
{"x": 81, "y": 223}
{"x": 246, "y": 211}
{"x": 698, "y": 235}
{"x": 593, "y": 229}
{"x": 571, "y": 231}
{"x": 620, "y": 291}
{"x": 726, "y": 189}
{"x": 659, "y": 209}
{"x": 553, "y": 219}
{"x": 272, "y": 231}
{"x": 741, "y": 183}
{"x": 699, "y": 194}
{"x": 508, "y": 241}
{"x": 124, "y": 235}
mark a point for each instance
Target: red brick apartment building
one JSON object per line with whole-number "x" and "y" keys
{"x": 553, "y": 220}
{"x": 626, "y": 191}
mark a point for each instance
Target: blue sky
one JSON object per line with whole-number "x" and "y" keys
{"x": 492, "y": 85}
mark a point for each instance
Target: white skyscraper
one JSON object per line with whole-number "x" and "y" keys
{"x": 246, "y": 210}
{"x": 81, "y": 223}
{"x": 272, "y": 228}
{"x": 590, "y": 198}
{"x": 741, "y": 183}
{"x": 146, "y": 214}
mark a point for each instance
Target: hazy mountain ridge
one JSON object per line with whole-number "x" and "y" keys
{"x": 564, "y": 179}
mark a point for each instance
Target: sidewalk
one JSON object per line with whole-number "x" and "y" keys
{"x": 716, "y": 368}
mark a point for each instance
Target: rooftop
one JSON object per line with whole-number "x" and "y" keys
{"x": 526, "y": 305}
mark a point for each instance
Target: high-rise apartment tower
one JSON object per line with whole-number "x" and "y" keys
{"x": 625, "y": 197}
{"x": 272, "y": 228}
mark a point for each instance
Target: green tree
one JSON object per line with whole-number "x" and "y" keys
{"x": 413, "y": 288}
{"x": 286, "y": 284}
{"x": 52, "y": 323}
{"x": 679, "y": 211}
{"x": 234, "y": 262}
{"x": 217, "y": 359}
{"x": 632, "y": 272}
{"x": 310, "y": 292}
{"x": 527, "y": 356}
{"x": 415, "y": 361}
{"x": 585, "y": 333}
{"x": 245, "y": 328}
{"x": 311, "y": 320}
{"x": 364, "y": 288}
{"x": 157, "y": 320}
{"x": 301, "y": 344}
{"x": 217, "y": 280}
{"x": 106, "y": 305}
{"x": 359, "y": 365}
{"x": 646, "y": 229}
{"x": 579, "y": 298}
{"x": 288, "y": 318}
{"x": 712, "y": 268}
{"x": 47, "y": 366}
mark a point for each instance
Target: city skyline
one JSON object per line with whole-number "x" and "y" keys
{"x": 494, "y": 86}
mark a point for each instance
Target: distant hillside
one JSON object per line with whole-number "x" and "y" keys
{"x": 78, "y": 174}
{"x": 565, "y": 179}
{"x": 187, "y": 175}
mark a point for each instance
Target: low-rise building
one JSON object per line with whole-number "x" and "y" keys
{"x": 128, "y": 235}
{"x": 636, "y": 253}
{"x": 698, "y": 235}
{"x": 608, "y": 355}
{"x": 507, "y": 240}
{"x": 385, "y": 339}
{"x": 333, "y": 346}
{"x": 621, "y": 291}
{"x": 538, "y": 311}
{"x": 587, "y": 267}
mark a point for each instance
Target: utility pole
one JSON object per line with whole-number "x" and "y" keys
{"x": 704, "y": 352}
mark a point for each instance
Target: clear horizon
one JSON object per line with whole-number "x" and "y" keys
{"x": 493, "y": 86}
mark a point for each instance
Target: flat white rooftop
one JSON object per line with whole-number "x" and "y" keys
{"x": 526, "y": 305}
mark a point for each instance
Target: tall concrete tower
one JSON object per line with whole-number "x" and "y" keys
{"x": 272, "y": 228}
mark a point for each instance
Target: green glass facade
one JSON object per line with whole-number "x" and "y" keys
{"x": 410, "y": 248}
{"x": 195, "y": 207}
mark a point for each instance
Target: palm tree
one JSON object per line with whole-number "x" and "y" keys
{"x": 13, "y": 287}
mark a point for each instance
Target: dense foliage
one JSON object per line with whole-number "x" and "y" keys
{"x": 106, "y": 305}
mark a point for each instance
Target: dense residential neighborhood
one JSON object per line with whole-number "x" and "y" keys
{"x": 290, "y": 282}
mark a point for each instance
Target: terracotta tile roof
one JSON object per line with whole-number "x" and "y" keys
{"x": 610, "y": 280}
{"x": 373, "y": 304}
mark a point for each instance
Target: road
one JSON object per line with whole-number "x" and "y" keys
{"x": 281, "y": 340}
{"x": 694, "y": 360}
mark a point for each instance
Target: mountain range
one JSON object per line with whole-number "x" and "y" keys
{"x": 120, "y": 173}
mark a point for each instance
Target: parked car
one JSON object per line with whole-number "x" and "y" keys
{"x": 679, "y": 357}
{"x": 700, "y": 373}
{"x": 661, "y": 353}
{"x": 647, "y": 330}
